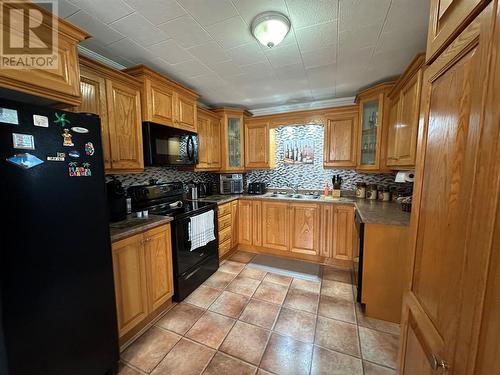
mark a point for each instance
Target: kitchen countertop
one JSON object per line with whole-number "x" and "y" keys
{"x": 371, "y": 212}
{"x": 133, "y": 225}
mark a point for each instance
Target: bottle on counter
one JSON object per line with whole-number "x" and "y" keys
{"x": 372, "y": 192}
{"x": 326, "y": 190}
{"x": 360, "y": 190}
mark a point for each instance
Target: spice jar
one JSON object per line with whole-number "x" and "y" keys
{"x": 386, "y": 194}
{"x": 360, "y": 190}
{"x": 371, "y": 192}
{"x": 380, "y": 191}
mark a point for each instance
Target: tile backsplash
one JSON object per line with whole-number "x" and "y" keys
{"x": 312, "y": 176}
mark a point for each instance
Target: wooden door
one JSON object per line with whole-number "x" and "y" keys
{"x": 215, "y": 144}
{"x": 130, "y": 283}
{"x": 204, "y": 143}
{"x": 257, "y": 223}
{"x": 161, "y": 103}
{"x": 326, "y": 230}
{"x": 304, "y": 228}
{"x": 234, "y": 223}
{"x": 275, "y": 225}
{"x": 343, "y": 226}
{"x": 406, "y": 136}
{"x": 392, "y": 131}
{"x": 245, "y": 222}
{"x": 447, "y": 19}
{"x": 186, "y": 113}
{"x": 341, "y": 140}
{"x": 125, "y": 126}
{"x": 159, "y": 271}
{"x": 451, "y": 217}
{"x": 257, "y": 144}
{"x": 93, "y": 92}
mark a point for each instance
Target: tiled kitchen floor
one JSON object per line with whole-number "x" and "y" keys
{"x": 244, "y": 321}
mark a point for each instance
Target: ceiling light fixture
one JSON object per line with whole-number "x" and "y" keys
{"x": 270, "y": 28}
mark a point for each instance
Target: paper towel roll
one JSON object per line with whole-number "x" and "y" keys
{"x": 405, "y": 176}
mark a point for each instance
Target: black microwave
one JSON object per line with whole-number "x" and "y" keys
{"x": 166, "y": 146}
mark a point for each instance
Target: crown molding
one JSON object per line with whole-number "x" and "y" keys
{"x": 287, "y": 108}
{"x": 99, "y": 58}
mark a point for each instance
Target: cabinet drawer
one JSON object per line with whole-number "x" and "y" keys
{"x": 225, "y": 222}
{"x": 224, "y": 235}
{"x": 224, "y": 248}
{"x": 224, "y": 209}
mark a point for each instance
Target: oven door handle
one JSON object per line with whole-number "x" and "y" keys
{"x": 190, "y": 148}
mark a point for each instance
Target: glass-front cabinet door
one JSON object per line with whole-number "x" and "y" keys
{"x": 369, "y": 133}
{"x": 232, "y": 134}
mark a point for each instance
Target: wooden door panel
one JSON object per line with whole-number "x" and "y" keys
{"x": 245, "y": 222}
{"x": 257, "y": 145}
{"x": 204, "y": 143}
{"x": 187, "y": 113}
{"x": 343, "y": 232}
{"x": 406, "y": 141}
{"x": 162, "y": 105}
{"x": 257, "y": 223}
{"x": 392, "y": 132}
{"x": 341, "y": 141}
{"x": 326, "y": 230}
{"x": 416, "y": 362}
{"x": 275, "y": 225}
{"x": 215, "y": 142}
{"x": 304, "y": 228}
{"x": 234, "y": 223}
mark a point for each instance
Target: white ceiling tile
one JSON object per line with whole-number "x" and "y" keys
{"x": 246, "y": 54}
{"x": 112, "y": 11}
{"x": 157, "y": 11}
{"x": 286, "y": 55}
{"x": 103, "y": 50}
{"x": 307, "y": 13}
{"x": 363, "y": 12}
{"x": 210, "y": 53}
{"x": 100, "y": 30}
{"x": 348, "y": 55}
{"x": 209, "y": 81}
{"x": 130, "y": 50}
{"x": 320, "y": 57}
{"x": 261, "y": 69}
{"x": 186, "y": 31}
{"x": 321, "y": 77}
{"x": 411, "y": 39}
{"x": 139, "y": 29}
{"x": 249, "y": 9}
{"x": 170, "y": 51}
{"x": 361, "y": 37}
{"x": 231, "y": 33}
{"x": 64, "y": 8}
{"x": 316, "y": 37}
{"x": 227, "y": 69}
{"x": 293, "y": 70}
{"x": 324, "y": 93}
{"x": 190, "y": 69}
{"x": 208, "y": 12}
{"x": 397, "y": 18}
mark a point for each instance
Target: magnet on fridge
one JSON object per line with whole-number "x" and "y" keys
{"x": 68, "y": 138}
{"x": 79, "y": 171}
{"x": 74, "y": 154}
{"x": 61, "y": 119}
{"x": 41, "y": 121}
{"x": 60, "y": 156}
{"x": 25, "y": 160}
{"x": 23, "y": 141}
{"x": 89, "y": 149}
{"x": 79, "y": 129}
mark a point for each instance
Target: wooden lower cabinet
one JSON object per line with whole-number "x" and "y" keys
{"x": 275, "y": 225}
{"x": 343, "y": 225}
{"x": 304, "y": 228}
{"x": 234, "y": 224}
{"x": 228, "y": 227}
{"x": 143, "y": 277}
{"x": 249, "y": 222}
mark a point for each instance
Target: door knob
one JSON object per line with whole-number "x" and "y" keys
{"x": 439, "y": 364}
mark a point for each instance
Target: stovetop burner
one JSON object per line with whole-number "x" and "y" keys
{"x": 185, "y": 207}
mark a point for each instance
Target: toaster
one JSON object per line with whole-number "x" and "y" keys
{"x": 257, "y": 188}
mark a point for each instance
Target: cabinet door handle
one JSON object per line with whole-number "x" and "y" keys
{"x": 438, "y": 364}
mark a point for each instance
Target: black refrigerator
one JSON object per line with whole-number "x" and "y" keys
{"x": 58, "y": 314}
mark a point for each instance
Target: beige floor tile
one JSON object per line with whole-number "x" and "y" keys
{"x": 337, "y": 335}
{"x": 278, "y": 279}
{"x": 286, "y": 356}
{"x": 337, "y": 308}
{"x": 253, "y": 273}
{"x": 243, "y": 285}
{"x": 231, "y": 267}
{"x": 337, "y": 274}
{"x": 203, "y": 297}
{"x": 307, "y": 285}
{"x": 271, "y": 292}
{"x": 222, "y": 364}
{"x": 242, "y": 257}
{"x": 211, "y": 329}
{"x": 126, "y": 370}
{"x": 297, "y": 324}
{"x": 302, "y": 300}
{"x": 379, "y": 325}
{"x": 379, "y": 347}
{"x": 219, "y": 280}
{"x": 373, "y": 369}
{"x": 327, "y": 362}
{"x": 337, "y": 289}
{"x": 263, "y": 372}
{"x": 147, "y": 351}
{"x": 260, "y": 313}
{"x": 186, "y": 358}
{"x": 246, "y": 342}
{"x": 180, "y": 318}
{"x": 229, "y": 304}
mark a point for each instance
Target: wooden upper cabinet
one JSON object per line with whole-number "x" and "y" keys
{"x": 209, "y": 140}
{"x": 260, "y": 145}
{"x": 60, "y": 85}
{"x": 373, "y": 118}
{"x": 447, "y": 19}
{"x": 115, "y": 97}
{"x": 275, "y": 225}
{"x": 165, "y": 101}
{"x": 341, "y": 138}
{"x": 404, "y": 114}
{"x": 304, "y": 228}
{"x": 232, "y": 139}
{"x": 343, "y": 226}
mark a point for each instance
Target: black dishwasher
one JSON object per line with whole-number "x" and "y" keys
{"x": 358, "y": 255}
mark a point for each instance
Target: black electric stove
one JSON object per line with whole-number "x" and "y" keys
{"x": 191, "y": 267}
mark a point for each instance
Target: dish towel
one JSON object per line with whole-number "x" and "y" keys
{"x": 201, "y": 229}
